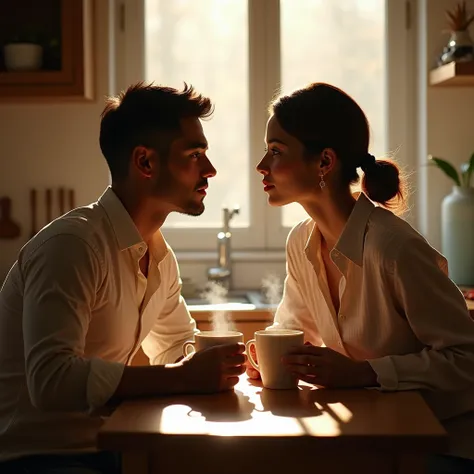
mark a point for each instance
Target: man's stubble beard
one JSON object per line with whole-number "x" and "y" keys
{"x": 193, "y": 210}
{"x": 189, "y": 207}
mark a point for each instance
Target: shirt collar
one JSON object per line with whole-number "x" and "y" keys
{"x": 159, "y": 248}
{"x": 351, "y": 241}
{"x": 124, "y": 228}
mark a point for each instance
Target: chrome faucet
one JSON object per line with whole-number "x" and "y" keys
{"x": 222, "y": 273}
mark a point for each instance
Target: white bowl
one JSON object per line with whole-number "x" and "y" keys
{"x": 23, "y": 56}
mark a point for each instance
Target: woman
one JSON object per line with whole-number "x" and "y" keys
{"x": 362, "y": 282}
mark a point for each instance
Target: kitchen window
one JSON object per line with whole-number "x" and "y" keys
{"x": 239, "y": 53}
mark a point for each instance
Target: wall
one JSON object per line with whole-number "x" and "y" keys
{"x": 449, "y": 124}
{"x": 50, "y": 145}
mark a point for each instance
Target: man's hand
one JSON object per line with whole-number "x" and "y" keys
{"x": 214, "y": 369}
{"x": 251, "y": 371}
{"x": 327, "y": 368}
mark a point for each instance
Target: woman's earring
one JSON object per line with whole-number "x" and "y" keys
{"x": 322, "y": 183}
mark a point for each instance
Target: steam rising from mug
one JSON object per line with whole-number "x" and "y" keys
{"x": 272, "y": 289}
{"x": 220, "y": 320}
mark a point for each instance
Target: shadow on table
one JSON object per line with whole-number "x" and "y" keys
{"x": 297, "y": 403}
{"x": 231, "y": 406}
{"x": 354, "y": 411}
{"x": 309, "y": 401}
{"x": 294, "y": 403}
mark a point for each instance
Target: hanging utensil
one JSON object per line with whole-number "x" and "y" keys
{"x": 61, "y": 201}
{"x": 49, "y": 204}
{"x": 72, "y": 203}
{"x": 8, "y": 228}
{"x": 33, "y": 212}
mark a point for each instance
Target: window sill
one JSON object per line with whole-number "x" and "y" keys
{"x": 236, "y": 256}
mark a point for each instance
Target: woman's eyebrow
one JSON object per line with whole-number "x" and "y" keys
{"x": 276, "y": 140}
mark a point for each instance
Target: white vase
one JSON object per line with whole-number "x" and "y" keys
{"x": 23, "y": 56}
{"x": 457, "y": 224}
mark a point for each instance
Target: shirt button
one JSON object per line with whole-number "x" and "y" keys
{"x": 339, "y": 344}
{"x": 341, "y": 316}
{"x": 335, "y": 253}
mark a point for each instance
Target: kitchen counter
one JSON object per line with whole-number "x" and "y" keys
{"x": 245, "y": 308}
{"x": 246, "y": 321}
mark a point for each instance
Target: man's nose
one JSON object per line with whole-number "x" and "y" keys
{"x": 209, "y": 170}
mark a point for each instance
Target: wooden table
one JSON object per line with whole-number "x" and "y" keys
{"x": 255, "y": 430}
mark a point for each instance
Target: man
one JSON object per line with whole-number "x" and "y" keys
{"x": 96, "y": 284}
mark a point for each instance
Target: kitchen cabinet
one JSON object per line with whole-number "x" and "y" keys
{"x": 62, "y": 31}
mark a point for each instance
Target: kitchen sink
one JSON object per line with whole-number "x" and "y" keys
{"x": 243, "y": 300}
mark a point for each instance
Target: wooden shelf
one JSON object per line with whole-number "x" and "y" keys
{"x": 453, "y": 75}
{"x": 74, "y": 79}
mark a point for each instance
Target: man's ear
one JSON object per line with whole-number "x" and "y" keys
{"x": 144, "y": 160}
{"x": 328, "y": 160}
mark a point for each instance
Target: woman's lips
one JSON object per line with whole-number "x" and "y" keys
{"x": 267, "y": 186}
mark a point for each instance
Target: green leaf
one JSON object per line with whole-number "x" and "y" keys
{"x": 447, "y": 168}
{"x": 469, "y": 171}
{"x": 465, "y": 174}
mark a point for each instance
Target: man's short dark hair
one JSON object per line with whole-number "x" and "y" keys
{"x": 142, "y": 115}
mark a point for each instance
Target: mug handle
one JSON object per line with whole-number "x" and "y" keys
{"x": 186, "y": 346}
{"x": 249, "y": 344}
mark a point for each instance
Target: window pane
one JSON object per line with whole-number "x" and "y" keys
{"x": 341, "y": 42}
{"x": 204, "y": 43}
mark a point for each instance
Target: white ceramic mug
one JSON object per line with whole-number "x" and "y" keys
{"x": 271, "y": 345}
{"x": 205, "y": 339}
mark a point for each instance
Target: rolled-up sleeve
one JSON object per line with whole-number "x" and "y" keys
{"x": 61, "y": 279}
{"x": 174, "y": 325}
{"x": 437, "y": 314}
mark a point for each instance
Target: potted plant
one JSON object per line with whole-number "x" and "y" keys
{"x": 460, "y": 45}
{"x": 23, "y": 52}
{"x": 457, "y": 220}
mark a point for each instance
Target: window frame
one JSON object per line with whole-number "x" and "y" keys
{"x": 265, "y": 231}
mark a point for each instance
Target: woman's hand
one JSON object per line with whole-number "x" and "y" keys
{"x": 327, "y": 368}
{"x": 251, "y": 371}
